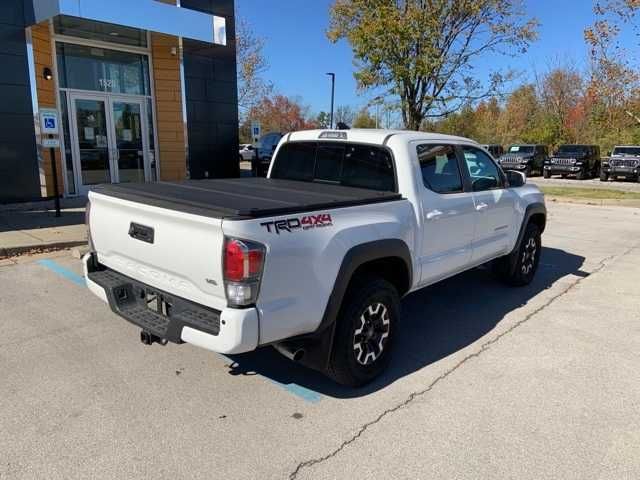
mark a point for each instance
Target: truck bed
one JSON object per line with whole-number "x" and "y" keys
{"x": 245, "y": 198}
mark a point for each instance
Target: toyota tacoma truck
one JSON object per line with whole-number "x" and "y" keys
{"x": 624, "y": 162}
{"x": 315, "y": 258}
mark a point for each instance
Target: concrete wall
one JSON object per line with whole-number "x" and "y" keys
{"x": 19, "y": 174}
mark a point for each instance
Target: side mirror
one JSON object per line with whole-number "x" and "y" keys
{"x": 516, "y": 179}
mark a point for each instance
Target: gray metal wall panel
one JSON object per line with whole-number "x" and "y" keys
{"x": 212, "y": 98}
{"x": 19, "y": 174}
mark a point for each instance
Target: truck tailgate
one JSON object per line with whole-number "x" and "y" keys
{"x": 169, "y": 250}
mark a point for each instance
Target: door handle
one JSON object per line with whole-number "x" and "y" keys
{"x": 434, "y": 215}
{"x": 481, "y": 207}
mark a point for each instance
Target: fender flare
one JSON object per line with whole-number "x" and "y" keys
{"x": 531, "y": 210}
{"x": 353, "y": 259}
{"x": 318, "y": 345}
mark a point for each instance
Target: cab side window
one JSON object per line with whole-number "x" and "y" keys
{"x": 484, "y": 173}
{"x": 440, "y": 169}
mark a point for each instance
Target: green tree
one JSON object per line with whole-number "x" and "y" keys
{"x": 323, "y": 120}
{"x": 251, "y": 65}
{"x": 424, "y": 51}
{"x": 344, "y": 114}
{"x": 363, "y": 119}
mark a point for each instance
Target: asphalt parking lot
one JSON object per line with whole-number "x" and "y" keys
{"x": 487, "y": 381}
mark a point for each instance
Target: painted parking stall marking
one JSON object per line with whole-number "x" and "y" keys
{"x": 303, "y": 393}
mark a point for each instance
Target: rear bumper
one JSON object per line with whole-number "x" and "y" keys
{"x": 228, "y": 331}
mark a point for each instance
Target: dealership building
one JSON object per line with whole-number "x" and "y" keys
{"x": 140, "y": 91}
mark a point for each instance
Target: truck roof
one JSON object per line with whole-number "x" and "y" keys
{"x": 376, "y": 137}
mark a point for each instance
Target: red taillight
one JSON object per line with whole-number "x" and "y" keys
{"x": 256, "y": 259}
{"x": 243, "y": 264}
{"x": 234, "y": 254}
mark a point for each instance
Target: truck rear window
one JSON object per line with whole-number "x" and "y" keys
{"x": 348, "y": 164}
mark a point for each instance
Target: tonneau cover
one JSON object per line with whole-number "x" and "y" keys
{"x": 245, "y": 197}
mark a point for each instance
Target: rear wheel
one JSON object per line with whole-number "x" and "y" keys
{"x": 365, "y": 331}
{"x": 522, "y": 271}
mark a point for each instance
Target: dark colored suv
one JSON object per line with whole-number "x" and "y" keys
{"x": 266, "y": 146}
{"x": 494, "y": 149}
{"x": 525, "y": 158}
{"x": 623, "y": 162}
{"x": 583, "y": 161}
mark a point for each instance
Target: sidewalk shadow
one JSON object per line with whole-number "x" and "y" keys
{"x": 436, "y": 322}
{"x": 32, "y": 220}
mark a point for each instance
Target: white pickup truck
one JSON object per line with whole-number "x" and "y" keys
{"x": 314, "y": 259}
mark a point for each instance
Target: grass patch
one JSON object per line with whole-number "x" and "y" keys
{"x": 590, "y": 193}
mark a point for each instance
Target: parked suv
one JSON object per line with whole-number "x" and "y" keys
{"x": 623, "y": 162}
{"x": 266, "y": 146}
{"x": 495, "y": 150}
{"x": 583, "y": 161}
{"x": 525, "y": 158}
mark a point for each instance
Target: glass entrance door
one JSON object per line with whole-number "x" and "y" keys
{"x": 110, "y": 139}
{"x": 92, "y": 144}
{"x": 128, "y": 141}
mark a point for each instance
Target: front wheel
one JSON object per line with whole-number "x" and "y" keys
{"x": 546, "y": 174}
{"x": 604, "y": 177}
{"x": 582, "y": 174}
{"x": 365, "y": 331}
{"x": 520, "y": 272}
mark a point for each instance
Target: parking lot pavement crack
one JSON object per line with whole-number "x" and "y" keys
{"x": 471, "y": 356}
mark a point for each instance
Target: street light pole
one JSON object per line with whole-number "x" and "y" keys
{"x": 333, "y": 94}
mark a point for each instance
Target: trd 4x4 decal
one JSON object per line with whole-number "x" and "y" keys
{"x": 299, "y": 223}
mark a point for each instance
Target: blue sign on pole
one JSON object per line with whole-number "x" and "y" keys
{"x": 49, "y": 121}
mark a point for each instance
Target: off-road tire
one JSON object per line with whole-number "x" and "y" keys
{"x": 582, "y": 174}
{"x": 527, "y": 258}
{"x": 364, "y": 296}
{"x": 604, "y": 177}
{"x": 546, "y": 173}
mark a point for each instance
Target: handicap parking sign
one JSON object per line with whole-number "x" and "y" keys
{"x": 49, "y": 121}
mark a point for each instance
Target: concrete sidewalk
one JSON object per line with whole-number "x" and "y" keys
{"x": 33, "y": 227}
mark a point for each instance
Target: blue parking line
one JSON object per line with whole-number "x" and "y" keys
{"x": 293, "y": 388}
{"x": 63, "y": 272}
{"x": 301, "y": 392}
{"x": 305, "y": 394}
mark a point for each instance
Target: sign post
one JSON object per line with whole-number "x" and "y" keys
{"x": 49, "y": 127}
{"x": 256, "y": 133}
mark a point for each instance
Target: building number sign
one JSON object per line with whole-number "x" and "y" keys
{"x": 106, "y": 83}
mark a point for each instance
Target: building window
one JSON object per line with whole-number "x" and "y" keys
{"x": 106, "y": 32}
{"x": 99, "y": 69}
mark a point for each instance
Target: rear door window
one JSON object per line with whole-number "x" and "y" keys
{"x": 353, "y": 165}
{"x": 440, "y": 169}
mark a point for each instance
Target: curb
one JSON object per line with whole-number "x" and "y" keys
{"x": 594, "y": 202}
{"x": 14, "y": 251}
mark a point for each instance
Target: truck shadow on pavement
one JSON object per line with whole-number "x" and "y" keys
{"x": 436, "y": 322}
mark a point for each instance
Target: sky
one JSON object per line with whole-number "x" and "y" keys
{"x": 299, "y": 53}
